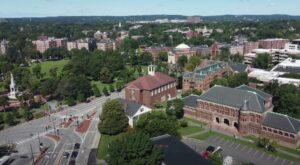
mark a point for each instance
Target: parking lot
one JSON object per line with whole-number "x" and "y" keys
{"x": 239, "y": 152}
{"x": 67, "y": 159}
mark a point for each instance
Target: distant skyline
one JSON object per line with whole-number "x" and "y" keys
{"x": 45, "y": 8}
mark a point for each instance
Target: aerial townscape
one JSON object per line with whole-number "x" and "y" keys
{"x": 115, "y": 83}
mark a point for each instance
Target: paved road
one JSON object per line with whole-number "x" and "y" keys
{"x": 32, "y": 132}
{"x": 239, "y": 152}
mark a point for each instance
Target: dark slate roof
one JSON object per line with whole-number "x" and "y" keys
{"x": 235, "y": 98}
{"x": 238, "y": 67}
{"x": 288, "y": 69}
{"x": 191, "y": 101}
{"x": 281, "y": 122}
{"x": 178, "y": 153}
{"x": 93, "y": 157}
{"x": 248, "y": 88}
{"x": 130, "y": 107}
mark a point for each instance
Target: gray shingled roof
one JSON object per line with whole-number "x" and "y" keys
{"x": 238, "y": 67}
{"x": 235, "y": 98}
{"x": 281, "y": 122}
{"x": 261, "y": 93}
{"x": 130, "y": 107}
{"x": 191, "y": 101}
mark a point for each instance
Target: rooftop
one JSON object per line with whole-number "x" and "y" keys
{"x": 149, "y": 82}
{"x": 282, "y": 122}
{"x": 130, "y": 107}
{"x": 236, "y": 97}
{"x": 178, "y": 153}
{"x": 209, "y": 68}
{"x": 182, "y": 46}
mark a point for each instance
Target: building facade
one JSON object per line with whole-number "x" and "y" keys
{"x": 105, "y": 45}
{"x": 242, "y": 111}
{"x": 202, "y": 77}
{"x": 273, "y": 43}
{"x": 152, "y": 88}
{"x": 249, "y": 46}
{"x": 180, "y": 50}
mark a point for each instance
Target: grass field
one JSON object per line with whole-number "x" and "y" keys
{"x": 100, "y": 85}
{"x": 190, "y": 130}
{"x": 47, "y": 65}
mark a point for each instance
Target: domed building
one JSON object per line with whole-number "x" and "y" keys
{"x": 180, "y": 50}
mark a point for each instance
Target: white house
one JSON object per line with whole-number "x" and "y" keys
{"x": 134, "y": 110}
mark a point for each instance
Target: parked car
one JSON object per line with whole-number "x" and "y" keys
{"x": 77, "y": 146}
{"x": 210, "y": 149}
{"x": 66, "y": 154}
{"x": 74, "y": 154}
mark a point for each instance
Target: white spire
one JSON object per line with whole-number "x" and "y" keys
{"x": 13, "y": 91}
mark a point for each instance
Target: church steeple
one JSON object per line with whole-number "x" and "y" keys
{"x": 12, "y": 87}
{"x": 151, "y": 70}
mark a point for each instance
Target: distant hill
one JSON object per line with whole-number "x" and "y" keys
{"x": 89, "y": 19}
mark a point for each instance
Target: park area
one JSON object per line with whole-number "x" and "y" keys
{"x": 47, "y": 65}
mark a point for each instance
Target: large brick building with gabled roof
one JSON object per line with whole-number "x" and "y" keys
{"x": 242, "y": 110}
{"x": 152, "y": 88}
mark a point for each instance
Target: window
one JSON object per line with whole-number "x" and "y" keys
{"x": 275, "y": 131}
{"x": 158, "y": 90}
{"x": 286, "y": 134}
{"x": 280, "y": 133}
{"x": 269, "y": 129}
{"x": 152, "y": 93}
{"x": 292, "y": 136}
{"x": 142, "y": 109}
{"x": 264, "y": 128}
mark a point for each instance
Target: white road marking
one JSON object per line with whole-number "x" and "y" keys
{"x": 249, "y": 150}
{"x": 262, "y": 154}
{"x": 243, "y": 148}
{"x": 237, "y": 146}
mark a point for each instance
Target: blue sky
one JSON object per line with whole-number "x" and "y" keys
{"x": 42, "y": 8}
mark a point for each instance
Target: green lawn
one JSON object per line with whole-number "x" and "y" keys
{"x": 100, "y": 85}
{"x": 194, "y": 121}
{"x": 190, "y": 130}
{"x": 103, "y": 145}
{"x": 47, "y": 65}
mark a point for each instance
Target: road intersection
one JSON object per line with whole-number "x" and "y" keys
{"x": 32, "y": 133}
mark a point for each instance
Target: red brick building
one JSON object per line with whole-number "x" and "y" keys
{"x": 202, "y": 77}
{"x": 249, "y": 46}
{"x": 273, "y": 43}
{"x": 242, "y": 110}
{"x": 151, "y": 89}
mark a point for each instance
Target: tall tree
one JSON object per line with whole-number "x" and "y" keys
{"x": 133, "y": 148}
{"x": 175, "y": 107}
{"x": 106, "y": 76}
{"x": 158, "y": 123}
{"x": 37, "y": 71}
{"x": 263, "y": 61}
{"x": 113, "y": 118}
{"x": 193, "y": 62}
{"x": 4, "y": 102}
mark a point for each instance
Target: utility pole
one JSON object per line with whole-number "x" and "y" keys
{"x": 32, "y": 154}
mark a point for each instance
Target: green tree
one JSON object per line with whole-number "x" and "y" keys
{"x": 175, "y": 107}
{"x": 119, "y": 86}
{"x": 71, "y": 101}
{"x": 262, "y": 61}
{"x": 4, "y": 102}
{"x": 26, "y": 114}
{"x": 193, "y": 62}
{"x": 37, "y": 71}
{"x": 8, "y": 118}
{"x": 53, "y": 72}
{"x": 113, "y": 118}
{"x": 190, "y": 92}
{"x": 158, "y": 123}
{"x": 133, "y": 148}
{"x": 96, "y": 91}
{"x": 105, "y": 91}
{"x": 111, "y": 88}
{"x": 216, "y": 159}
{"x": 181, "y": 62}
{"x": 106, "y": 76}
{"x": 163, "y": 56}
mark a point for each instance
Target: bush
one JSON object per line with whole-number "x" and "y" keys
{"x": 71, "y": 102}
{"x": 183, "y": 123}
{"x": 111, "y": 88}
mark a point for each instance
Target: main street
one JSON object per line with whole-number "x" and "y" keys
{"x": 29, "y": 135}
